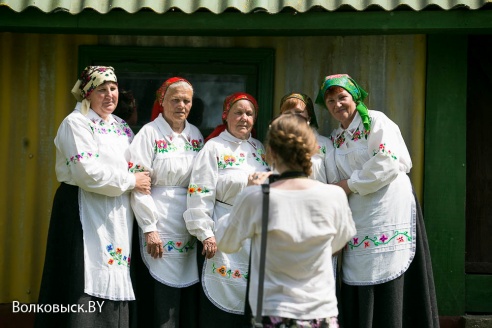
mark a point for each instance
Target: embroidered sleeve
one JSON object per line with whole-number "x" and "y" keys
{"x": 201, "y": 194}
{"x": 388, "y": 156}
{"x": 76, "y": 142}
{"x": 141, "y": 159}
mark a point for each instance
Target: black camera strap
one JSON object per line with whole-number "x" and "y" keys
{"x": 261, "y": 274}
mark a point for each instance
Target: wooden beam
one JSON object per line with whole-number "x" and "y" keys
{"x": 147, "y": 22}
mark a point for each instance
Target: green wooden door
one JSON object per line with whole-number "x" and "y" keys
{"x": 452, "y": 183}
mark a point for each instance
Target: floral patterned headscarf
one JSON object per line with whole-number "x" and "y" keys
{"x": 307, "y": 101}
{"x": 349, "y": 84}
{"x": 161, "y": 92}
{"x": 90, "y": 79}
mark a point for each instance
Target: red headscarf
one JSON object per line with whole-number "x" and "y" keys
{"x": 228, "y": 102}
{"x": 161, "y": 92}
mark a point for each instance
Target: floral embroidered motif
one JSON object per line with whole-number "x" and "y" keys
{"x": 260, "y": 157}
{"x": 339, "y": 140}
{"x": 360, "y": 134}
{"x": 121, "y": 129}
{"x": 196, "y": 145}
{"x": 179, "y": 247}
{"x": 229, "y": 273}
{"x": 382, "y": 149}
{"x": 77, "y": 158}
{"x": 195, "y": 189}
{"x": 230, "y": 160}
{"x": 117, "y": 256}
{"x": 322, "y": 149}
{"x": 384, "y": 239}
{"x": 162, "y": 146}
{"x": 135, "y": 168}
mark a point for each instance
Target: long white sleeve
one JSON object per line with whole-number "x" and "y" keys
{"x": 80, "y": 159}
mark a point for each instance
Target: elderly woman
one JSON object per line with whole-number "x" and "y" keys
{"x": 226, "y": 164}
{"x": 386, "y": 271}
{"x": 308, "y": 222}
{"x": 89, "y": 240}
{"x": 167, "y": 147}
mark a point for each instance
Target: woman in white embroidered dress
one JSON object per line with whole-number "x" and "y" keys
{"x": 308, "y": 221}
{"x": 88, "y": 250}
{"x": 167, "y": 147}
{"x": 386, "y": 270}
{"x": 230, "y": 160}
{"x": 323, "y": 169}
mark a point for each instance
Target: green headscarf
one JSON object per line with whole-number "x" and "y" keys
{"x": 357, "y": 93}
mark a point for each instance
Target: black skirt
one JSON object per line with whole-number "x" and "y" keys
{"x": 62, "y": 283}
{"x": 407, "y": 301}
{"x": 159, "y": 305}
{"x": 209, "y": 315}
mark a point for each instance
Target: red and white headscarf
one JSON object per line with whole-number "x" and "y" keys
{"x": 235, "y": 97}
{"x": 161, "y": 92}
{"x": 228, "y": 102}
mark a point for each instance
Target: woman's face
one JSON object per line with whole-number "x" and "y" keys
{"x": 240, "y": 119}
{"x": 177, "y": 105}
{"x": 104, "y": 99}
{"x": 298, "y": 108}
{"x": 341, "y": 106}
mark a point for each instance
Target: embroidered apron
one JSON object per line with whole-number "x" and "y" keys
{"x": 177, "y": 267}
{"x": 107, "y": 224}
{"x": 384, "y": 245}
{"x": 225, "y": 275}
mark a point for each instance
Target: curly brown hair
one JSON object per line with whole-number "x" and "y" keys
{"x": 291, "y": 139}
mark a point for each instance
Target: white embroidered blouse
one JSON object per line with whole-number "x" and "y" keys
{"x": 169, "y": 157}
{"x": 219, "y": 174}
{"x": 93, "y": 155}
{"x": 376, "y": 164}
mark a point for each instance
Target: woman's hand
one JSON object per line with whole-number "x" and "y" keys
{"x": 344, "y": 186}
{"x": 142, "y": 182}
{"x": 209, "y": 247}
{"x": 257, "y": 178}
{"x": 154, "y": 244}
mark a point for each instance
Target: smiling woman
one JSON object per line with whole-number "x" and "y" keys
{"x": 91, "y": 213}
{"x": 104, "y": 99}
{"x": 373, "y": 161}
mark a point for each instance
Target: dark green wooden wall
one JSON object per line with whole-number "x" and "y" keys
{"x": 444, "y": 167}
